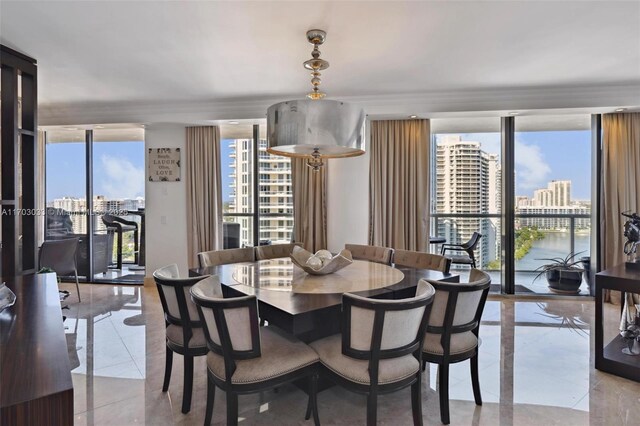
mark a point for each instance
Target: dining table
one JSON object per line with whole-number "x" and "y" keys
{"x": 309, "y": 306}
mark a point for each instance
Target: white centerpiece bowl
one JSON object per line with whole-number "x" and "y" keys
{"x": 307, "y": 261}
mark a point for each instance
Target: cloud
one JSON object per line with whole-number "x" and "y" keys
{"x": 531, "y": 168}
{"x": 122, "y": 178}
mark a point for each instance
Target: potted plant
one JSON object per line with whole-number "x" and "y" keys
{"x": 563, "y": 275}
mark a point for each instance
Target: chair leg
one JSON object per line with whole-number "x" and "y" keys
{"x": 232, "y": 408}
{"x": 443, "y": 379}
{"x": 119, "y": 255}
{"x": 314, "y": 399}
{"x": 77, "y": 286}
{"x": 424, "y": 365}
{"x": 416, "y": 401}
{"x": 211, "y": 394}
{"x": 135, "y": 247}
{"x": 188, "y": 383}
{"x": 167, "y": 369}
{"x": 475, "y": 380}
{"x": 372, "y": 409}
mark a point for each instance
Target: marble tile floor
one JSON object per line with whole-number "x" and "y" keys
{"x": 536, "y": 368}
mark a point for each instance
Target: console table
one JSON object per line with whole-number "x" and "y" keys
{"x": 609, "y": 356}
{"x": 35, "y": 386}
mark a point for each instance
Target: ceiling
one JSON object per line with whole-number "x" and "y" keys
{"x": 225, "y": 56}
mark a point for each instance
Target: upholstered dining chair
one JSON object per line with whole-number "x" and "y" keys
{"x": 421, "y": 260}
{"x": 370, "y": 253}
{"x": 60, "y": 256}
{"x": 452, "y": 333}
{"x": 465, "y": 251}
{"x": 245, "y": 358}
{"x": 275, "y": 251}
{"x": 380, "y": 348}
{"x": 184, "y": 334}
{"x": 224, "y": 257}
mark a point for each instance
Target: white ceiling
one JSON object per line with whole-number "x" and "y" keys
{"x": 224, "y": 56}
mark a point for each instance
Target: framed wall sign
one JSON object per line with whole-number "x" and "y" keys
{"x": 164, "y": 164}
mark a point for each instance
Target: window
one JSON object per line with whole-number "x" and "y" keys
{"x": 466, "y": 186}
{"x": 273, "y": 190}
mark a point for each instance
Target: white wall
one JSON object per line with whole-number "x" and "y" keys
{"x": 166, "y": 205}
{"x": 348, "y": 202}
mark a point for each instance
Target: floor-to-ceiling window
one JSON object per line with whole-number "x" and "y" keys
{"x": 92, "y": 172}
{"x": 465, "y": 184}
{"x": 248, "y": 169}
{"x": 552, "y": 194}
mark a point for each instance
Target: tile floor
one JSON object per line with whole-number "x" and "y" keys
{"x": 536, "y": 368}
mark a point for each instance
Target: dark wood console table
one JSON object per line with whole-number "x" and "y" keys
{"x": 609, "y": 356}
{"x": 35, "y": 386}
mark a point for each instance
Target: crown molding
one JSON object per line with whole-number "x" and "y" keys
{"x": 424, "y": 104}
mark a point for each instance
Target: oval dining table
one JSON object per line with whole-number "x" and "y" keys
{"x": 309, "y": 306}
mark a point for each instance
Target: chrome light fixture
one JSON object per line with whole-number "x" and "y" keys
{"x": 315, "y": 128}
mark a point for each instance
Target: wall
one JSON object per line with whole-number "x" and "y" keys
{"x": 165, "y": 205}
{"x": 348, "y": 200}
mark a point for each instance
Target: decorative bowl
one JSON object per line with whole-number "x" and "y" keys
{"x": 7, "y": 297}
{"x": 300, "y": 257}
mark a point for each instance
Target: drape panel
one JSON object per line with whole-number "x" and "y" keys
{"x": 399, "y": 184}
{"x": 309, "y": 204}
{"x": 204, "y": 191}
{"x": 620, "y": 188}
{"x": 620, "y": 182}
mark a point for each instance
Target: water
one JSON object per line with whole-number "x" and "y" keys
{"x": 555, "y": 244}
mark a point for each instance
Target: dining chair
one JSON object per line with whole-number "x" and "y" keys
{"x": 184, "y": 334}
{"x": 224, "y": 257}
{"x": 120, "y": 226}
{"x": 275, "y": 251}
{"x": 245, "y": 358}
{"x": 60, "y": 256}
{"x": 371, "y": 253}
{"x": 421, "y": 260}
{"x": 468, "y": 248}
{"x": 452, "y": 333}
{"x": 380, "y": 348}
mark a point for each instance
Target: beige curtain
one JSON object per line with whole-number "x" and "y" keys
{"x": 204, "y": 191}
{"x": 620, "y": 181}
{"x": 620, "y": 189}
{"x": 399, "y": 184}
{"x": 309, "y": 204}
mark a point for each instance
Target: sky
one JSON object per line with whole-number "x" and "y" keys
{"x": 118, "y": 170}
{"x": 119, "y": 166}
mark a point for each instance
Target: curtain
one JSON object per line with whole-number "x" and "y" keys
{"x": 204, "y": 191}
{"x": 620, "y": 186}
{"x": 620, "y": 181}
{"x": 399, "y": 184}
{"x": 309, "y": 204}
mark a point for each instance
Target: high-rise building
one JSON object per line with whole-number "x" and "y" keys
{"x": 468, "y": 180}
{"x": 274, "y": 187}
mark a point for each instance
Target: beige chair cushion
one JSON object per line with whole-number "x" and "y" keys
{"x": 370, "y": 253}
{"x": 175, "y": 336}
{"x": 420, "y": 260}
{"x": 275, "y": 251}
{"x": 460, "y": 342}
{"x": 390, "y": 370}
{"x": 224, "y": 257}
{"x": 281, "y": 354}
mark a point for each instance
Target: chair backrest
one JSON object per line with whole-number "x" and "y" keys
{"x": 471, "y": 245}
{"x": 421, "y": 260}
{"x": 371, "y": 253}
{"x": 375, "y": 329}
{"x": 223, "y": 257}
{"x": 275, "y": 251}
{"x": 176, "y": 301}
{"x": 230, "y": 325}
{"x": 457, "y": 307}
{"x": 59, "y": 255}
